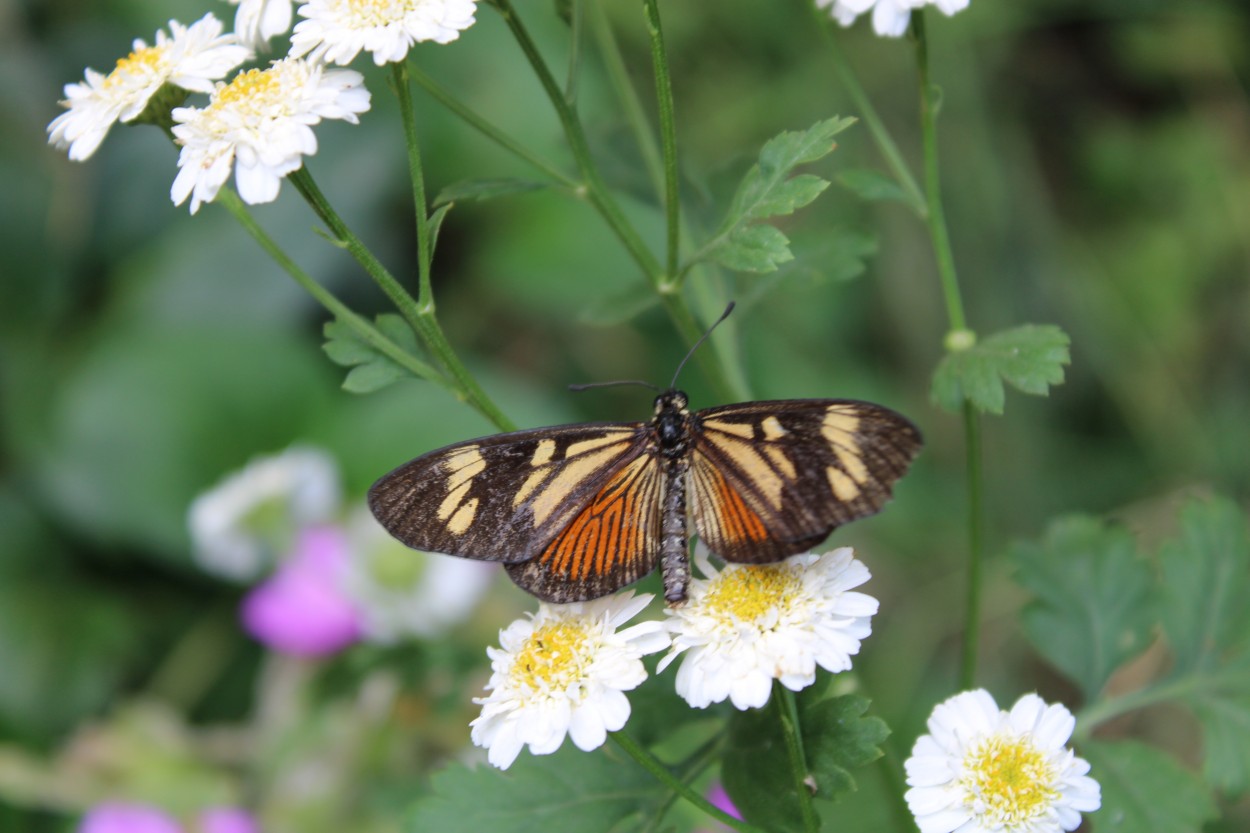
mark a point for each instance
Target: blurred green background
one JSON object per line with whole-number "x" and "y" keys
{"x": 1096, "y": 158}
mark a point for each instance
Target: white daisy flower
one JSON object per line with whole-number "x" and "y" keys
{"x": 564, "y": 670}
{"x": 260, "y": 125}
{"x": 190, "y": 57}
{"x": 746, "y": 626}
{"x": 335, "y": 31}
{"x": 889, "y": 17}
{"x": 257, "y": 21}
{"x": 402, "y": 593}
{"x": 240, "y": 526}
{"x": 981, "y": 770}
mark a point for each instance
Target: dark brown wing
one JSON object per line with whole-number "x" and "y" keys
{"x": 613, "y": 541}
{"x": 505, "y": 497}
{"x": 770, "y": 479}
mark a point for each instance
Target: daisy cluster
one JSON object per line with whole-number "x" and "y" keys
{"x": 259, "y": 125}
{"x": 563, "y": 672}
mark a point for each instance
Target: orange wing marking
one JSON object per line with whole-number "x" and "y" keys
{"x": 738, "y": 521}
{"x": 610, "y": 530}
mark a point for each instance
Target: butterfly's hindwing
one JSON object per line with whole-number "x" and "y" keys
{"x": 613, "y": 541}
{"x": 770, "y": 479}
{"x": 502, "y": 498}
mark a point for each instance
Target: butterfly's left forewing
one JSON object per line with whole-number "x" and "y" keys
{"x": 506, "y": 497}
{"x": 770, "y": 479}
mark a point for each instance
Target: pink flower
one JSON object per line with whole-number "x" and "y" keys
{"x": 120, "y": 817}
{"x": 228, "y": 820}
{"x": 302, "y": 609}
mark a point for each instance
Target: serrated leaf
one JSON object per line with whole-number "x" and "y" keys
{"x": 837, "y": 739}
{"x": 754, "y": 249}
{"x": 1145, "y": 790}
{"x": 1092, "y": 598}
{"x": 479, "y": 190}
{"x": 1205, "y": 580}
{"x": 569, "y": 790}
{"x": 789, "y": 196}
{"x": 370, "y": 370}
{"x": 1030, "y": 358}
{"x": 872, "y": 185}
{"x": 769, "y": 190}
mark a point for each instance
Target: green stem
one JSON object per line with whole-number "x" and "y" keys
{"x": 197, "y": 659}
{"x": 652, "y": 765}
{"x": 490, "y": 131}
{"x": 421, "y": 319}
{"x": 936, "y": 216}
{"x": 976, "y": 548}
{"x": 668, "y": 134}
{"x": 872, "y": 120}
{"x": 1100, "y": 711}
{"x": 631, "y": 104}
{"x": 360, "y": 326}
{"x": 788, "y": 715}
{"x": 939, "y": 234}
{"x": 399, "y": 78}
{"x": 592, "y": 183}
{"x": 596, "y": 191}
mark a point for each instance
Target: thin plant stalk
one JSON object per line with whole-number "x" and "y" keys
{"x": 359, "y": 325}
{"x": 654, "y": 766}
{"x": 668, "y": 139}
{"x": 422, "y": 323}
{"x": 939, "y": 234}
{"x": 596, "y": 192}
{"x": 788, "y": 717}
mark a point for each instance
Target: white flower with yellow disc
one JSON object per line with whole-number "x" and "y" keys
{"x": 745, "y": 626}
{"x": 982, "y": 770}
{"x": 564, "y": 671}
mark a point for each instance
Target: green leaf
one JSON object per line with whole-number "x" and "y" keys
{"x": 871, "y": 185}
{"x": 1030, "y": 358}
{"x": 569, "y": 790}
{"x": 836, "y": 740}
{"x": 754, "y": 249}
{"x": 1205, "y": 581}
{"x": 768, "y": 190}
{"x": 370, "y": 370}
{"x": 480, "y": 190}
{"x": 1092, "y": 606}
{"x": 1145, "y": 790}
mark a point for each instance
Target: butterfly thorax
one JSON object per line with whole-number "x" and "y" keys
{"x": 672, "y": 424}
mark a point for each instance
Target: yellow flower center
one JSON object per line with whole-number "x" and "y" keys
{"x": 1008, "y": 780}
{"x": 253, "y": 84}
{"x": 150, "y": 60}
{"x": 366, "y": 13}
{"x": 748, "y": 593}
{"x": 552, "y": 657}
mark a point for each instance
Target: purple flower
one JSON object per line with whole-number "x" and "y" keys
{"x": 120, "y": 817}
{"x": 228, "y": 820}
{"x": 721, "y": 801}
{"x": 302, "y": 609}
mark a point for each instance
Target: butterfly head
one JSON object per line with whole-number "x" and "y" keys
{"x": 672, "y": 417}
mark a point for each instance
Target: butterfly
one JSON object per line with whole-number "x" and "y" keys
{"x": 575, "y": 512}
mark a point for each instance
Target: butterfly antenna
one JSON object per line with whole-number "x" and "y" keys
{"x": 702, "y": 339}
{"x": 590, "y": 385}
